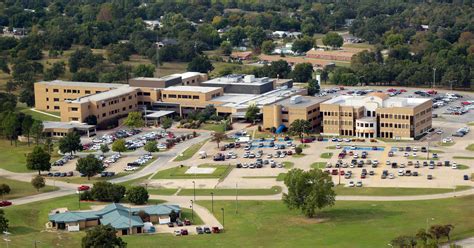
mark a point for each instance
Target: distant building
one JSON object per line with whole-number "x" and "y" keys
{"x": 241, "y": 55}
{"x": 284, "y": 34}
{"x": 152, "y": 24}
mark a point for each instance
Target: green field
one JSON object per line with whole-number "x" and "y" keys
{"x": 14, "y": 158}
{"x": 326, "y": 155}
{"x": 220, "y": 128}
{"x": 288, "y": 164}
{"x": 22, "y": 189}
{"x": 318, "y": 165}
{"x": 223, "y": 192}
{"x": 374, "y": 191}
{"x": 462, "y": 167}
{"x": 347, "y": 224}
{"x": 36, "y": 115}
{"x": 178, "y": 172}
{"x": 190, "y": 151}
{"x": 447, "y": 144}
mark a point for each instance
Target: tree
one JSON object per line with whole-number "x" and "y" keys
{"x": 268, "y": 46}
{"x": 104, "y": 148}
{"x": 438, "y": 231}
{"x": 38, "y": 182}
{"x": 89, "y": 166}
{"x": 10, "y": 125}
{"x": 70, "y": 143}
{"x": 137, "y": 195}
{"x": 298, "y": 150}
{"x": 102, "y": 236}
{"x": 309, "y": 190}
{"x": 143, "y": 70}
{"x": 302, "y": 45}
{"x": 108, "y": 192}
{"x": 38, "y": 160}
{"x": 300, "y": 127}
{"x": 134, "y": 120}
{"x": 218, "y": 137}
{"x": 48, "y": 145}
{"x": 151, "y": 146}
{"x": 200, "y": 64}
{"x": 119, "y": 146}
{"x": 166, "y": 123}
{"x": 3, "y": 222}
{"x": 91, "y": 120}
{"x": 252, "y": 113}
{"x": 313, "y": 87}
{"x": 403, "y": 241}
{"x": 26, "y": 125}
{"x": 226, "y": 48}
{"x": 4, "y": 189}
{"x": 173, "y": 216}
{"x": 302, "y": 72}
{"x": 57, "y": 69}
{"x": 333, "y": 40}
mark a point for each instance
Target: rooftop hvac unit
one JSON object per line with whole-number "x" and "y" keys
{"x": 296, "y": 99}
{"x": 249, "y": 78}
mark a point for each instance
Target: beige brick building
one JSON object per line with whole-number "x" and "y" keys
{"x": 376, "y": 115}
{"x": 286, "y": 111}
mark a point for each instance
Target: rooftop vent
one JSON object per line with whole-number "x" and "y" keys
{"x": 296, "y": 99}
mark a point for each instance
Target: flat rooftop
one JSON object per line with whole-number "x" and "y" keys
{"x": 105, "y": 95}
{"x": 81, "y": 84}
{"x": 239, "y": 79}
{"x": 306, "y": 101}
{"x": 164, "y": 78}
{"x": 359, "y": 101}
{"x": 241, "y": 101}
{"x": 65, "y": 125}
{"x": 200, "y": 89}
{"x": 187, "y": 74}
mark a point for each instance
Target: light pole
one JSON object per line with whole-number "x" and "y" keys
{"x": 194, "y": 190}
{"x": 434, "y": 77}
{"x": 192, "y": 210}
{"x": 223, "y": 219}
{"x": 212, "y": 202}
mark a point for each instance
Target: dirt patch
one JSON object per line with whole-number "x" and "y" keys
{"x": 304, "y": 220}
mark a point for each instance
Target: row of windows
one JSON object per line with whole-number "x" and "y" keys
{"x": 55, "y": 107}
{"x": 73, "y": 91}
{"x": 365, "y": 124}
{"x": 392, "y": 116}
{"x": 143, "y": 93}
{"x": 180, "y": 96}
{"x": 347, "y": 114}
{"x": 313, "y": 111}
{"x": 112, "y": 102}
{"x": 335, "y": 122}
{"x": 395, "y": 125}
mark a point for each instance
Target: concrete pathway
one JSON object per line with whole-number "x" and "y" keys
{"x": 464, "y": 243}
{"x": 44, "y": 113}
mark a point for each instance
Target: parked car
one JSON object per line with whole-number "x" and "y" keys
{"x": 83, "y": 188}
{"x": 359, "y": 184}
{"x": 199, "y": 230}
{"x": 466, "y": 177}
{"x": 215, "y": 229}
{"x": 207, "y": 230}
{"x": 187, "y": 222}
{"x": 170, "y": 224}
{"x": 5, "y": 203}
{"x": 184, "y": 232}
{"x": 429, "y": 177}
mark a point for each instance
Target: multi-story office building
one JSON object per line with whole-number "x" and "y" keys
{"x": 376, "y": 115}
{"x": 287, "y": 110}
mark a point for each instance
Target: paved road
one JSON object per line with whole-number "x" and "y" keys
{"x": 465, "y": 243}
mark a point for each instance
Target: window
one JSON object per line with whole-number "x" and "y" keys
{"x": 73, "y": 109}
{"x": 88, "y": 91}
{"x": 140, "y": 93}
{"x": 74, "y": 119}
{"x": 97, "y": 91}
{"x": 56, "y": 90}
{"x": 56, "y": 107}
{"x": 172, "y": 96}
{"x": 103, "y": 115}
{"x": 284, "y": 112}
{"x": 47, "y": 107}
{"x": 195, "y": 97}
{"x": 47, "y": 98}
{"x": 129, "y": 97}
{"x": 124, "y": 108}
{"x": 56, "y": 99}
{"x": 146, "y": 93}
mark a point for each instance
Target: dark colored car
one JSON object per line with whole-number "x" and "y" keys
{"x": 466, "y": 177}
{"x": 207, "y": 230}
{"x": 179, "y": 222}
{"x": 184, "y": 232}
{"x": 199, "y": 230}
{"x": 170, "y": 224}
{"x": 216, "y": 229}
{"x": 187, "y": 222}
{"x": 429, "y": 177}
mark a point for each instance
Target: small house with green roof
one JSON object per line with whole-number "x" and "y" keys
{"x": 122, "y": 218}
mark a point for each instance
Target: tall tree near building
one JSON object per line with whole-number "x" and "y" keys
{"x": 218, "y": 137}
{"x": 26, "y": 125}
{"x": 166, "y": 123}
{"x": 89, "y": 166}
{"x": 313, "y": 87}
{"x": 144, "y": 70}
{"x": 300, "y": 127}
{"x": 37, "y": 130}
{"x": 137, "y": 195}
{"x": 252, "y": 113}
{"x": 10, "y": 125}
{"x": 302, "y": 45}
{"x": 226, "y": 48}
{"x": 48, "y": 145}
{"x": 200, "y": 64}
{"x": 38, "y": 160}
{"x": 4, "y": 189}
{"x": 70, "y": 143}
{"x": 38, "y": 182}
{"x": 309, "y": 191}
{"x": 119, "y": 146}
{"x": 333, "y": 40}
{"x": 134, "y": 120}
{"x": 268, "y": 46}
{"x": 302, "y": 72}
{"x": 102, "y": 236}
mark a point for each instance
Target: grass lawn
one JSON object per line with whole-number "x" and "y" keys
{"x": 178, "y": 172}
{"x": 298, "y": 155}
{"x": 161, "y": 191}
{"x": 318, "y": 165}
{"x": 463, "y": 157}
{"x": 224, "y": 192}
{"x": 303, "y": 146}
{"x": 258, "y": 135}
{"x": 35, "y": 115}
{"x": 213, "y": 127}
{"x": 376, "y": 191}
{"x": 22, "y": 189}
{"x": 288, "y": 164}
{"x": 281, "y": 177}
{"x": 171, "y": 67}
{"x": 347, "y": 224}
{"x": 470, "y": 147}
{"x": 187, "y": 214}
{"x": 462, "y": 167}
{"x": 190, "y": 151}
{"x": 14, "y": 158}
{"x": 326, "y": 155}
{"x": 331, "y": 147}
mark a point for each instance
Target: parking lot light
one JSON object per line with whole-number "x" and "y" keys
{"x": 192, "y": 210}
{"x": 194, "y": 190}
{"x": 212, "y": 202}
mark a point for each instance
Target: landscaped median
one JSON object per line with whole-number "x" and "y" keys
{"x": 226, "y": 192}
{"x": 190, "y": 151}
{"x": 179, "y": 172}
{"x": 326, "y": 155}
{"x": 318, "y": 165}
{"x": 470, "y": 147}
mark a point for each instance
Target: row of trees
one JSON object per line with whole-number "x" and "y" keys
{"x": 424, "y": 238}
{"x": 110, "y": 192}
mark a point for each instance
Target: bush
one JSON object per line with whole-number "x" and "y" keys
{"x": 86, "y": 196}
{"x": 298, "y": 150}
{"x": 137, "y": 195}
{"x": 108, "y": 192}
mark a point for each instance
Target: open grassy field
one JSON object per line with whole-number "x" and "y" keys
{"x": 190, "y": 151}
{"x": 281, "y": 177}
{"x": 35, "y": 115}
{"x": 373, "y": 191}
{"x": 22, "y": 189}
{"x": 223, "y": 192}
{"x": 161, "y": 191}
{"x": 347, "y": 224}
{"x": 178, "y": 172}
{"x": 14, "y": 158}
{"x": 288, "y": 164}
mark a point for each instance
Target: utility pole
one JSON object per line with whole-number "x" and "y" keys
{"x": 223, "y": 219}
{"x": 212, "y": 202}
{"x": 192, "y": 210}
{"x": 194, "y": 190}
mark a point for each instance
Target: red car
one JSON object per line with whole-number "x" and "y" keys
{"x": 187, "y": 222}
{"x": 184, "y": 232}
{"x": 83, "y": 188}
{"x": 342, "y": 173}
{"x": 391, "y": 90}
{"x": 5, "y": 203}
{"x": 334, "y": 172}
{"x": 403, "y": 90}
{"x": 432, "y": 92}
{"x": 306, "y": 140}
{"x": 216, "y": 229}
{"x": 466, "y": 103}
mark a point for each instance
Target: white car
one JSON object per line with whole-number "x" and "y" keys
{"x": 356, "y": 156}
{"x": 415, "y": 149}
{"x": 406, "y": 154}
{"x": 351, "y": 184}
{"x": 391, "y": 176}
{"x": 375, "y": 162}
{"x": 130, "y": 168}
{"x": 338, "y": 146}
{"x": 454, "y": 165}
{"x": 401, "y": 172}
{"x": 414, "y": 154}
